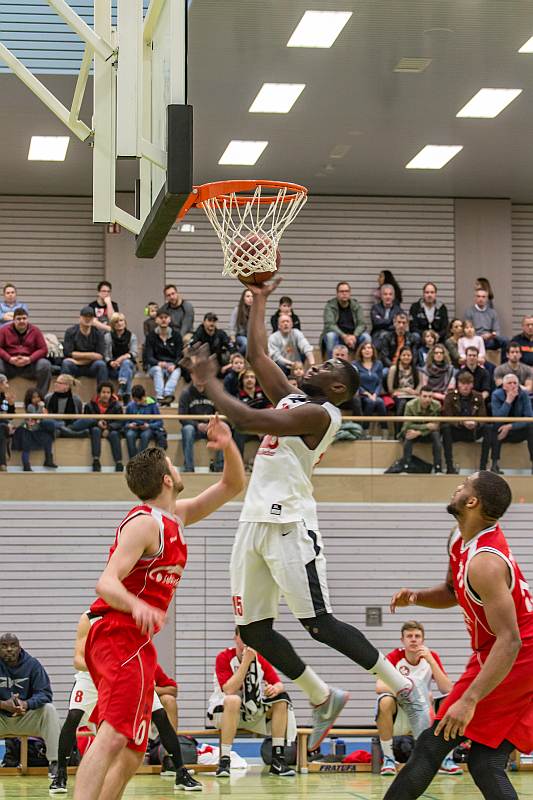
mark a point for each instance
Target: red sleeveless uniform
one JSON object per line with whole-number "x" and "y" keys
{"x": 507, "y": 712}
{"x": 120, "y": 659}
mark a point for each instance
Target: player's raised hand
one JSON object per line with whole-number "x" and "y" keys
{"x": 404, "y": 597}
{"x": 199, "y": 362}
{"x": 218, "y": 434}
{"x": 148, "y": 619}
{"x": 264, "y": 289}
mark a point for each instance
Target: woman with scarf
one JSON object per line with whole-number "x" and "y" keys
{"x": 62, "y": 400}
{"x": 438, "y": 375}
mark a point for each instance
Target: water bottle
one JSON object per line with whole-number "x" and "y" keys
{"x": 333, "y": 747}
{"x": 340, "y": 750}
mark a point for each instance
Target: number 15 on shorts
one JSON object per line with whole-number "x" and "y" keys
{"x": 237, "y": 605}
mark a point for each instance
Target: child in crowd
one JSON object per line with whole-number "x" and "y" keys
{"x": 136, "y": 429}
{"x": 429, "y": 340}
{"x": 35, "y": 434}
{"x": 296, "y": 374}
{"x": 231, "y": 378}
{"x": 470, "y": 339}
{"x": 285, "y": 307}
{"x": 150, "y": 313}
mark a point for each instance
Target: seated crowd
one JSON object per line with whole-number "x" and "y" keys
{"x": 415, "y": 362}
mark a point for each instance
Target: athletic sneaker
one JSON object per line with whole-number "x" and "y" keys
{"x": 416, "y": 703}
{"x": 388, "y": 767}
{"x": 280, "y": 768}
{"x": 186, "y": 783}
{"x": 224, "y": 767}
{"x": 59, "y": 784}
{"x": 324, "y": 716}
{"x": 167, "y": 767}
{"x": 449, "y": 767}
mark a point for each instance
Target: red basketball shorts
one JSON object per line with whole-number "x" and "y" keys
{"x": 505, "y": 713}
{"x": 122, "y": 662}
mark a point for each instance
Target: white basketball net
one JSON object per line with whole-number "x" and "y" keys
{"x": 236, "y": 223}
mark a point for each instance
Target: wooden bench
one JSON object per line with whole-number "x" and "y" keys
{"x": 23, "y": 753}
{"x": 303, "y": 736}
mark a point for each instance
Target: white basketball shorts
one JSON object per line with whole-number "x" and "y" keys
{"x": 269, "y": 560}
{"x": 84, "y": 697}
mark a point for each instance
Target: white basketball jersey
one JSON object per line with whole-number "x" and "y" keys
{"x": 280, "y": 489}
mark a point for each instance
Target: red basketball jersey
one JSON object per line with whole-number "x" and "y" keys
{"x": 154, "y": 578}
{"x": 490, "y": 540}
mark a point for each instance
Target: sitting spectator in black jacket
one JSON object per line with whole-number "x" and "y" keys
{"x": 217, "y": 339}
{"x": 231, "y": 378}
{"x": 138, "y": 433}
{"x": 35, "y": 434}
{"x": 26, "y": 699}
{"x": 428, "y": 313}
{"x": 104, "y": 307}
{"x": 464, "y": 401}
{"x": 62, "y": 400}
{"x": 382, "y": 314}
{"x": 525, "y": 340}
{"x": 7, "y": 406}
{"x": 104, "y": 402}
{"x": 395, "y": 340}
{"x": 285, "y": 307}
{"x": 193, "y": 400}
{"x": 84, "y": 348}
{"x": 162, "y": 353}
{"x": 121, "y": 355}
{"x": 480, "y": 375}
{"x": 252, "y": 395}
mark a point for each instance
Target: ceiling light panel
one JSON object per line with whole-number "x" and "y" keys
{"x": 488, "y": 103}
{"x": 276, "y": 98}
{"x": 434, "y": 156}
{"x": 412, "y": 65}
{"x": 319, "y": 28}
{"x": 48, "y": 148}
{"x": 527, "y": 47}
{"x": 242, "y": 152}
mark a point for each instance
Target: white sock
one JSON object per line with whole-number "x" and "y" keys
{"x": 390, "y": 675}
{"x": 386, "y": 746}
{"x": 225, "y": 750}
{"x": 314, "y": 687}
{"x": 278, "y": 742}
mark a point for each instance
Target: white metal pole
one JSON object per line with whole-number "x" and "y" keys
{"x": 100, "y": 43}
{"x": 103, "y": 122}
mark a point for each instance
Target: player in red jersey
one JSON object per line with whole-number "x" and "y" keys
{"x": 492, "y": 702}
{"x": 135, "y": 589}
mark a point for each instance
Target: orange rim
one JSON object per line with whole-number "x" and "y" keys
{"x": 224, "y": 189}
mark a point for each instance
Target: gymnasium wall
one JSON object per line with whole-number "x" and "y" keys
{"x": 53, "y": 553}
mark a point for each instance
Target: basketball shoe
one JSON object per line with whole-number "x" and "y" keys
{"x": 280, "y": 768}
{"x": 59, "y": 784}
{"x": 324, "y": 716}
{"x": 224, "y": 767}
{"x": 449, "y": 767}
{"x": 416, "y": 703}
{"x": 388, "y": 767}
{"x": 186, "y": 783}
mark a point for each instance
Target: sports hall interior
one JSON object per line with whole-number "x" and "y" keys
{"x": 392, "y": 82}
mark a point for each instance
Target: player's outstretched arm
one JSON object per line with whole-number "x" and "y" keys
{"x": 230, "y": 484}
{"x": 441, "y": 596}
{"x": 271, "y": 378}
{"x": 84, "y": 626}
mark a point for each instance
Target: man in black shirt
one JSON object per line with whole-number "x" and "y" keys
{"x": 162, "y": 352}
{"x": 428, "y": 313}
{"x": 217, "y": 339}
{"x": 84, "y": 348}
{"x": 525, "y": 340}
{"x": 103, "y": 307}
{"x": 480, "y": 375}
{"x": 464, "y": 401}
{"x": 194, "y": 401}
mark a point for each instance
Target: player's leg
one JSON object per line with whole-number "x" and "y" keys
{"x": 120, "y": 773}
{"x": 228, "y": 722}
{"x": 487, "y": 767}
{"x": 279, "y": 720}
{"x": 169, "y": 740}
{"x": 387, "y": 708}
{"x": 67, "y": 739}
{"x": 108, "y": 745}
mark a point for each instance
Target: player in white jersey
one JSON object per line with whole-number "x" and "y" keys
{"x": 278, "y": 548}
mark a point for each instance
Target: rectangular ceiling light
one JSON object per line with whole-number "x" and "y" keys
{"x": 527, "y": 47}
{"x": 276, "y": 98}
{"x": 434, "y": 156}
{"x": 488, "y": 103}
{"x": 319, "y": 28}
{"x": 48, "y": 148}
{"x": 242, "y": 152}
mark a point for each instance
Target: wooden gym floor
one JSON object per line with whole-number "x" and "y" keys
{"x": 257, "y": 786}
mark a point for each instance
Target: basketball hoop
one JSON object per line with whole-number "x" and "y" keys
{"x": 242, "y": 211}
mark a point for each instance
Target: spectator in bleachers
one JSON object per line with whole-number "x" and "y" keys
{"x": 26, "y": 698}
{"x": 486, "y": 322}
{"x": 403, "y": 380}
{"x": 238, "y": 322}
{"x": 104, "y": 307}
{"x": 296, "y": 374}
{"x": 252, "y": 395}
{"x": 464, "y": 401}
{"x": 455, "y": 331}
{"x": 7, "y": 406}
{"x": 150, "y": 318}
{"x": 513, "y": 366}
{"x": 84, "y": 349}
{"x": 383, "y": 312}
{"x": 62, "y": 400}
{"x": 121, "y": 355}
{"x": 470, "y": 339}
{"x": 162, "y": 353}
{"x": 10, "y": 303}
{"x": 351, "y": 407}
{"x": 480, "y": 375}
{"x": 394, "y": 341}
{"x": 287, "y": 346}
{"x": 510, "y": 401}
{"x": 218, "y": 340}
{"x": 438, "y": 375}
{"x": 428, "y": 313}
{"x": 23, "y": 351}
{"x": 421, "y": 432}
{"x": 484, "y": 283}
{"x": 525, "y": 340}
{"x": 231, "y": 378}
{"x": 193, "y": 400}
{"x": 104, "y": 402}
{"x": 386, "y": 277}
{"x": 181, "y": 312}
{"x": 35, "y": 434}
{"x": 428, "y": 342}
{"x": 139, "y": 434}
{"x": 370, "y": 371}
{"x": 285, "y": 307}
{"x": 344, "y": 322}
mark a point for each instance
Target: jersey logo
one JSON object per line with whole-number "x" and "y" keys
{"x": 169, "y": 575}
{"x": 275, "y": 508}
{"x": 173, "y": 539}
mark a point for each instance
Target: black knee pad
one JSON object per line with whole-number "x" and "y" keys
{"x": 256, "y": 634}
{"x": 322, "y": 628}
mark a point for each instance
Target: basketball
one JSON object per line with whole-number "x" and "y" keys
{"x": 252, "y": 250}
